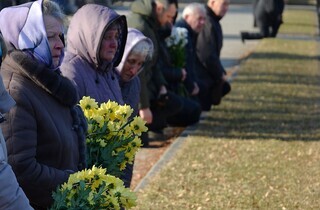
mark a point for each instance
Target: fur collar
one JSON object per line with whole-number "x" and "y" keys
{"x": 51, "y": 81}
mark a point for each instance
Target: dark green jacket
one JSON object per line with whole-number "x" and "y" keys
{"x": 143, "y": 18}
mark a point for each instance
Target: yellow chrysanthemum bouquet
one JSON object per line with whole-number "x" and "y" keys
{"x": 93, "y": 189}
{"x": 112, "y": 139}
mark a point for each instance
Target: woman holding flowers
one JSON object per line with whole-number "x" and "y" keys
{"x": 43, "y": 132}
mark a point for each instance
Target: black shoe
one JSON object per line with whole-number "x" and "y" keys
{"x": 242, "y": 37}
{"x": 145, "y": 140}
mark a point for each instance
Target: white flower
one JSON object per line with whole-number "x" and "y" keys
{"x": 178, "y": 37}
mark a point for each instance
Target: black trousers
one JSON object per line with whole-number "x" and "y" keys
{"x": 188, "y": 115}
{"x": 162, "y": 108}
{"x": 211, "y": 93}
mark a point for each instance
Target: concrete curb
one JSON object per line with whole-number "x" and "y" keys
{"x": 167, "y": 156}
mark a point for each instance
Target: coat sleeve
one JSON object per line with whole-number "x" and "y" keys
{"x": 38, "y": 180}
{"x": 207, "y": 52}
{"x": 11, "y": 195}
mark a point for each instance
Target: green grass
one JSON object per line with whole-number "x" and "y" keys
{"x": 302, "y": 2}
{"x": 259, "y": 149}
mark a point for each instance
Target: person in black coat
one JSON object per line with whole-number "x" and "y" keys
{"x": 176, "y": 76}
{"x": 193, "y": 20}
{"x": 212, "y": 75}
{"x": 268, "y": 18}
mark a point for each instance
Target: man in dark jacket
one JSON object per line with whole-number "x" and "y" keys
{"x": 268, "y": 17}
{"x": 212, "y": 75}
{"x": 193, "y": 19}
{"x": 148, "y": 16}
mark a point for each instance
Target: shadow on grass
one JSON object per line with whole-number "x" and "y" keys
{"x": 282, "y": 104}
{"x": 293, "y": 24}
{"x": 278, "y": 55}
{"x": 279, "y": 78}
{"x": 297, "y": 129}
{"x": 291, "y": 119}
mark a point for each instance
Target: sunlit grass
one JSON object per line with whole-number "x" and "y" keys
{"x": 302, "y": 22}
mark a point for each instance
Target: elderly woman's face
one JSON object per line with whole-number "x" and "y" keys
{"x": 109, "y": 44}
{"x": 54, "y": 29}
{"x": 132, "y": 65}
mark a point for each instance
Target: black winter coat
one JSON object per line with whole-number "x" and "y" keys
{"x": 208, "y": 48}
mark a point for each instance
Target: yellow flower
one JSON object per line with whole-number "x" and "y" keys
{"x": 136, "y": 143}
{"x": 83, "y": 189}
{"x": 130, "y": 155}
{"x": 114, "y": 202}
{"x": 123, "y": 112}
{"x": 108, "y": 109}
{"x": 112, "y": 128}
{"x": 114, "y": 181}
{"x": 138, "y": 125}
{"x": 128, "y": 199}
{"x": 99, "y": 119}
{"x": 110, "y": 134}
{"x": 102, "y": 142}
{"x": 123, "y": 165}
{"x": 88, "y": 103}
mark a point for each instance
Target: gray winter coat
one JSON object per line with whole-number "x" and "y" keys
{"x": 92, "y": 76}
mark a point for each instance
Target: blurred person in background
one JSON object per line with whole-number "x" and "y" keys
{"x": 267, "y": 17}
{"x": 177, "y": 79}
{"x": 156, "y": 102}
{"x": 211, "y": 73}
{"x": 193, "y": 20}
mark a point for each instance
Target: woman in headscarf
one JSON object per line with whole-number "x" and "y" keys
{"x": 95, "y": 43}
{"x": 44, "y": 132}
{"x": 138, "y": 51}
